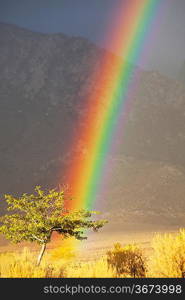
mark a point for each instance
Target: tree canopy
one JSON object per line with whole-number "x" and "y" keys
{"x": 36, "y": 216}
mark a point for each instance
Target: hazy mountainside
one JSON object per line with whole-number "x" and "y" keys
{"x": 41, "y": 95}
{"x": 156, "y": 125}
{"x": 45, "y": 81}
{"x": 143, "y": 192}
{"x": 181, "y": 75}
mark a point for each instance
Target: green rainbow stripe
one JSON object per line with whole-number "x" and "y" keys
{"x": 109, "y": 100}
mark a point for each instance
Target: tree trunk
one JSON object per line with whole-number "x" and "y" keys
{"x": 43, "y": 248}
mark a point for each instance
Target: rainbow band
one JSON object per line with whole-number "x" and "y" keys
{"x": 105, "y": 104}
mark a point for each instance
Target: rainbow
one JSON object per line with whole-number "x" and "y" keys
{"x": 128, "y": 35}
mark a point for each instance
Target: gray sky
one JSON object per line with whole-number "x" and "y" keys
{"x": 90, "y": 19}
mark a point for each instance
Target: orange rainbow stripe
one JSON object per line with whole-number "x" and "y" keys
{"x": 128, "y": 34}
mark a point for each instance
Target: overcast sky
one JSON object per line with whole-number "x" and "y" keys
{"x": 90, "y": 19}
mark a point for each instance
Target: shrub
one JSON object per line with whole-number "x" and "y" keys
{"x": 168, "y": 259}
{"x": 127, "y": 261}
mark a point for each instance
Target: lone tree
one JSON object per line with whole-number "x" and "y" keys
{"x": 37, "y": 216}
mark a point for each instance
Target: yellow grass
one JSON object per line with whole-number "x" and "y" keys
{"x": 23, "y": 266}
{"x": 166, "y": 260}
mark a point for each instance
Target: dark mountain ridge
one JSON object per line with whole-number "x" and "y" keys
{"x": 45, "y": 80}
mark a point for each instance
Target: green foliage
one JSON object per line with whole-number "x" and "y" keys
{"x": 37, "y": 215}
{"x": 126, "y": 261}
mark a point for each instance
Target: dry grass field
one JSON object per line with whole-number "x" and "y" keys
{"x": 61, "y": 260}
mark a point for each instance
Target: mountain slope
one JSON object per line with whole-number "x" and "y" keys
{"x": 45, "y": 80}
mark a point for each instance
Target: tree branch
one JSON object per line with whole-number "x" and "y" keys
{"x": 55, "y": 228}
{"x": 34, "y": 236}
